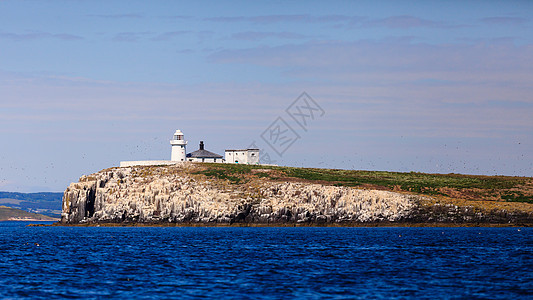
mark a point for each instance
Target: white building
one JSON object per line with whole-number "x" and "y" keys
{"x": 242, "y": 156}
{"x": 178, "y": 143}
{"x": 179, "y": 154}
{"x": 202, "y": 155}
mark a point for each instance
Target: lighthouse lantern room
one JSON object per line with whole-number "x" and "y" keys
{"x": 178, "y": 146}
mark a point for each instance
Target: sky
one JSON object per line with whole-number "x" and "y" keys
{"x": 424, "y": 86}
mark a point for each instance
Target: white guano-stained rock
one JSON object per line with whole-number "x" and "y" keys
{"x": 177, "y": 194}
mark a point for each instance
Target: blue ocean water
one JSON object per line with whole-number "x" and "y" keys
{"x": 265, "y": 263}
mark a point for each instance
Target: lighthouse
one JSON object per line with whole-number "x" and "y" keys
{"x": 179, "y": 154}
{"x": 178, "y": 146}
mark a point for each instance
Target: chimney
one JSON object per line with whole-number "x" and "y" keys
{"x": 201, "y": 145}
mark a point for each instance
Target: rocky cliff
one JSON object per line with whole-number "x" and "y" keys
{"x": 197, "y": 193}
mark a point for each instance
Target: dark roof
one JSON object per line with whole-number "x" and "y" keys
{"x": 203, "y": 154}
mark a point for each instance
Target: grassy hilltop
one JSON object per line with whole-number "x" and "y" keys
{"x": 13, "y": 214}
{"x": 488, "y": 192}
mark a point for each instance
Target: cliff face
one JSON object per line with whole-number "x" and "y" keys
{"x": 187, "y": 194}
{"x": 177, "y": 194}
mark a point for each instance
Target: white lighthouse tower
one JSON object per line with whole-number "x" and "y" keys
{"x": 178, "y": 146}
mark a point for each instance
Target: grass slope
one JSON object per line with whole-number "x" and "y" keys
{"x": 452, "y": 186}
{"x": 8, "y": 213}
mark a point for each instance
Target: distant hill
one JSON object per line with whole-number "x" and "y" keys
{"x": 13, "y": 214}
{"x": 43, "y": 203}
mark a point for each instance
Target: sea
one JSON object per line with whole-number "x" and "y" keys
{"x": 265, "y": 262}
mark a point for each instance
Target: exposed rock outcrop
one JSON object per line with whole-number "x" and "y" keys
{"x": 176, "y": 194}
{"x": 180, "y": 194}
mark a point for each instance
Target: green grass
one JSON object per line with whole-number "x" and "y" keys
{"x": 517, "y": 197}
{"x": 479, "y": 187}
{"x": 231, "y": 172}
{"x": 262, "y": 174}
{"x": 407, "y": 181}
{"x": 220, "y": 174}
{"x": 7, "y": 212}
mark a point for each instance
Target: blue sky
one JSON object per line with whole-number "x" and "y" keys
{"x": 430, "y": 86}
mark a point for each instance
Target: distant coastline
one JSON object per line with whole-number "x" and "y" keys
{"x": 14, "y": 214}
{"x": 44, "y": 203}
{"x": 29, "y": 220}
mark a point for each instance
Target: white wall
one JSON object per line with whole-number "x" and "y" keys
{"x": 146, "y": 163}
{"x": 244, "y": 156}
{"x": 178, "y": 153}
{"x": 253, "y": 157}
{"x": 207, "y": 160}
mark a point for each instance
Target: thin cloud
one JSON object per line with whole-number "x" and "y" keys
{"x": 402, "y": 22}
{"x": 185, "y": 51}
{"x": 169, "y": 35}
{"x": 304, "y": 18}
{"x": 388, "y": 54}
{"x": 118, "y": 16}
{"x": 496, "y": 40}
{"x": 39, "y": 35}
{"x": 204, "y": 35}
{"x": 504, "y": 21}
{"x": 460, "y": 72}
{"x": 129, "y": 36}
{"x": 258, "y": 35}
{"x": 177, "y": 17}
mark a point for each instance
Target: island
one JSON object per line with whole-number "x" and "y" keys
{"x": 218, "y": 194}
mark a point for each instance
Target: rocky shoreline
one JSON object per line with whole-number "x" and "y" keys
{"x": 185, "y": 195}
